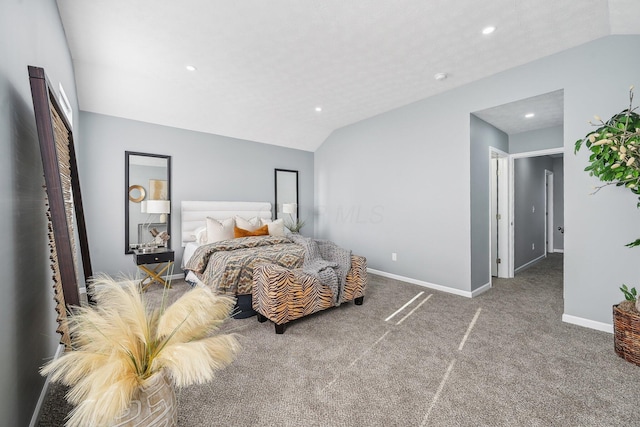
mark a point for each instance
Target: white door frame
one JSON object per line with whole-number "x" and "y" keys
{"x": 504, "y": 251}
{"x": 548, "y": 198}
{"x": 512, "y": 157}
{"x": 494, "y": 169}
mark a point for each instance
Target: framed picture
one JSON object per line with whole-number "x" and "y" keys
{"x": 158, "y": 189}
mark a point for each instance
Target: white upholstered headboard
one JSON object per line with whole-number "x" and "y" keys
{"x": 194, "y": 214}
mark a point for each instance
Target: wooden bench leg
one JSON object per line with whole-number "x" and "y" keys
{"x": 279, "y": 328}
{"x": 358, "y": 301}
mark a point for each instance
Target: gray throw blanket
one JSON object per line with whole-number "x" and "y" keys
{"x": 327, "y": 261}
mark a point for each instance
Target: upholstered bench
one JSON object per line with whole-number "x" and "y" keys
{"x": 282, "y": 295}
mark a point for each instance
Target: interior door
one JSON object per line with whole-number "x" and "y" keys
{"x": 494, "y": 215}
{"x": 499, "y": 214}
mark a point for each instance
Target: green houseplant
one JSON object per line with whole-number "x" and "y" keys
{"x": 615, "y": 159}
{"x": 121, "y": 347}
{"x": 615, "y": 151}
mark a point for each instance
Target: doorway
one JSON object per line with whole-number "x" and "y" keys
{"x": 535, "y": 226}
{"x": 520, "y": 127}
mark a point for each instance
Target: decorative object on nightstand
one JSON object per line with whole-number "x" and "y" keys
{"x": 159, "y": 237}
{"x": 162, "y": 258}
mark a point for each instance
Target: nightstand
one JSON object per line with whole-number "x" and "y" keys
{"x": 162, "y": 258}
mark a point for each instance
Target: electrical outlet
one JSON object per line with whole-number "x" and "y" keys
{"x": 533, "y": 246}
{"x": 394, "y": 256}
{"x": 533, "y": 209}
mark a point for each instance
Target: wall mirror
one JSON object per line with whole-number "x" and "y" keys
{"x": 147, "y": 204}
{"x": 286, "y": 205}
{"x": 65, "y": 214}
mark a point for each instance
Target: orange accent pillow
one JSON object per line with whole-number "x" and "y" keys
{"x": 241, "y": 232}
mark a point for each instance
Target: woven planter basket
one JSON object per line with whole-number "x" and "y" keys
{"x": 626, "y": 335}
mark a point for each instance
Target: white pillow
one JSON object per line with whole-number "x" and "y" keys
{"x": 248, "y": 224}
{"x": 219, "y": 230}
{"x": 200, "y": 235}
{"x": 276, "y": 228}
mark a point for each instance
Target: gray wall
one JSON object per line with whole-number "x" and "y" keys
{"x": 529, "y": 208}
{"x": 482, "y": 136}
{"x": 539, "y": 139}
{"x": 384, "y": 185}
{"x": 204, "y": 167}
{"x": 413, "y": 165}
{"x": 30, "y": 34}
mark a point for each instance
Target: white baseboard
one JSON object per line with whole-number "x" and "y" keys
{"x": 43, "y": 393}
{"x": 558, "y": 251}
{"x": 530, "y": 263}
{"x": 425, "y": 284}
{"x": 591, "y": 324}
{"x": 481, "y": 290}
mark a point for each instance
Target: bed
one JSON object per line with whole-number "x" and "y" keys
{"x": 194, "y": 216}
{"x": 214, "y": 258}
{"x": 226, "y": 266}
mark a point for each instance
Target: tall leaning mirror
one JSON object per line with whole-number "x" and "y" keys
{"x": 286, "y": 205}
{"x": 147, "y": 199}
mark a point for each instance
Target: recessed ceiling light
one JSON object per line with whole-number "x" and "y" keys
{"x": 488, "y": 30}
{"x": 529, "y": 115}
{"x": 440, "y": 76}
{"x": 318, "y": 109}
{"x": 191, "y": 68}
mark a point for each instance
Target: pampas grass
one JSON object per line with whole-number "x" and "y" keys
{"x": 120, "y": 342}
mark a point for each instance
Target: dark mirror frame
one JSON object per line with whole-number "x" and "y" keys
{"x": 278, "y": 202}
{"x": 127, "y": 155}
{"x": 65, "y": 213}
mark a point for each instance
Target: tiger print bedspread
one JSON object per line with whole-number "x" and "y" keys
{"x": 227, "y": 266}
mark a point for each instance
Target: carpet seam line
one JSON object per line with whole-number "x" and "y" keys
{"x": 413, "y": 311}
{"x": 471, "y": 325}
{"x": 404, "y": 306}
{"x": 438, "y": 392}
{"x": 357, "y": 359}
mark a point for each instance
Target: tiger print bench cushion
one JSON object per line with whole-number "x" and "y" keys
{"x": 282, "y": 295}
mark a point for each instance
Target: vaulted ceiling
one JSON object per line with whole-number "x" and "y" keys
{"x": 264, "y": 68}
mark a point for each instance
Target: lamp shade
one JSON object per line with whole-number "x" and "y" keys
{"x": 157, "y": 207}
{"x": 289, "y": 208}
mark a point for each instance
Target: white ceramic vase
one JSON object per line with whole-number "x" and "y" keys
{"x": 153, "y": 404}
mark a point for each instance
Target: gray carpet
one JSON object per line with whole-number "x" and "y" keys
{"x": 502, "y": 359}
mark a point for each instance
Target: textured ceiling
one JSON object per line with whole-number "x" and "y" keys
{"x": 510, "y": 118}
{"x": 264, "y": 66}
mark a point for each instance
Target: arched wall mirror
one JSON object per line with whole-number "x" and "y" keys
{"x": 286, "y": 205}
{"x": 147, "y": 198}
